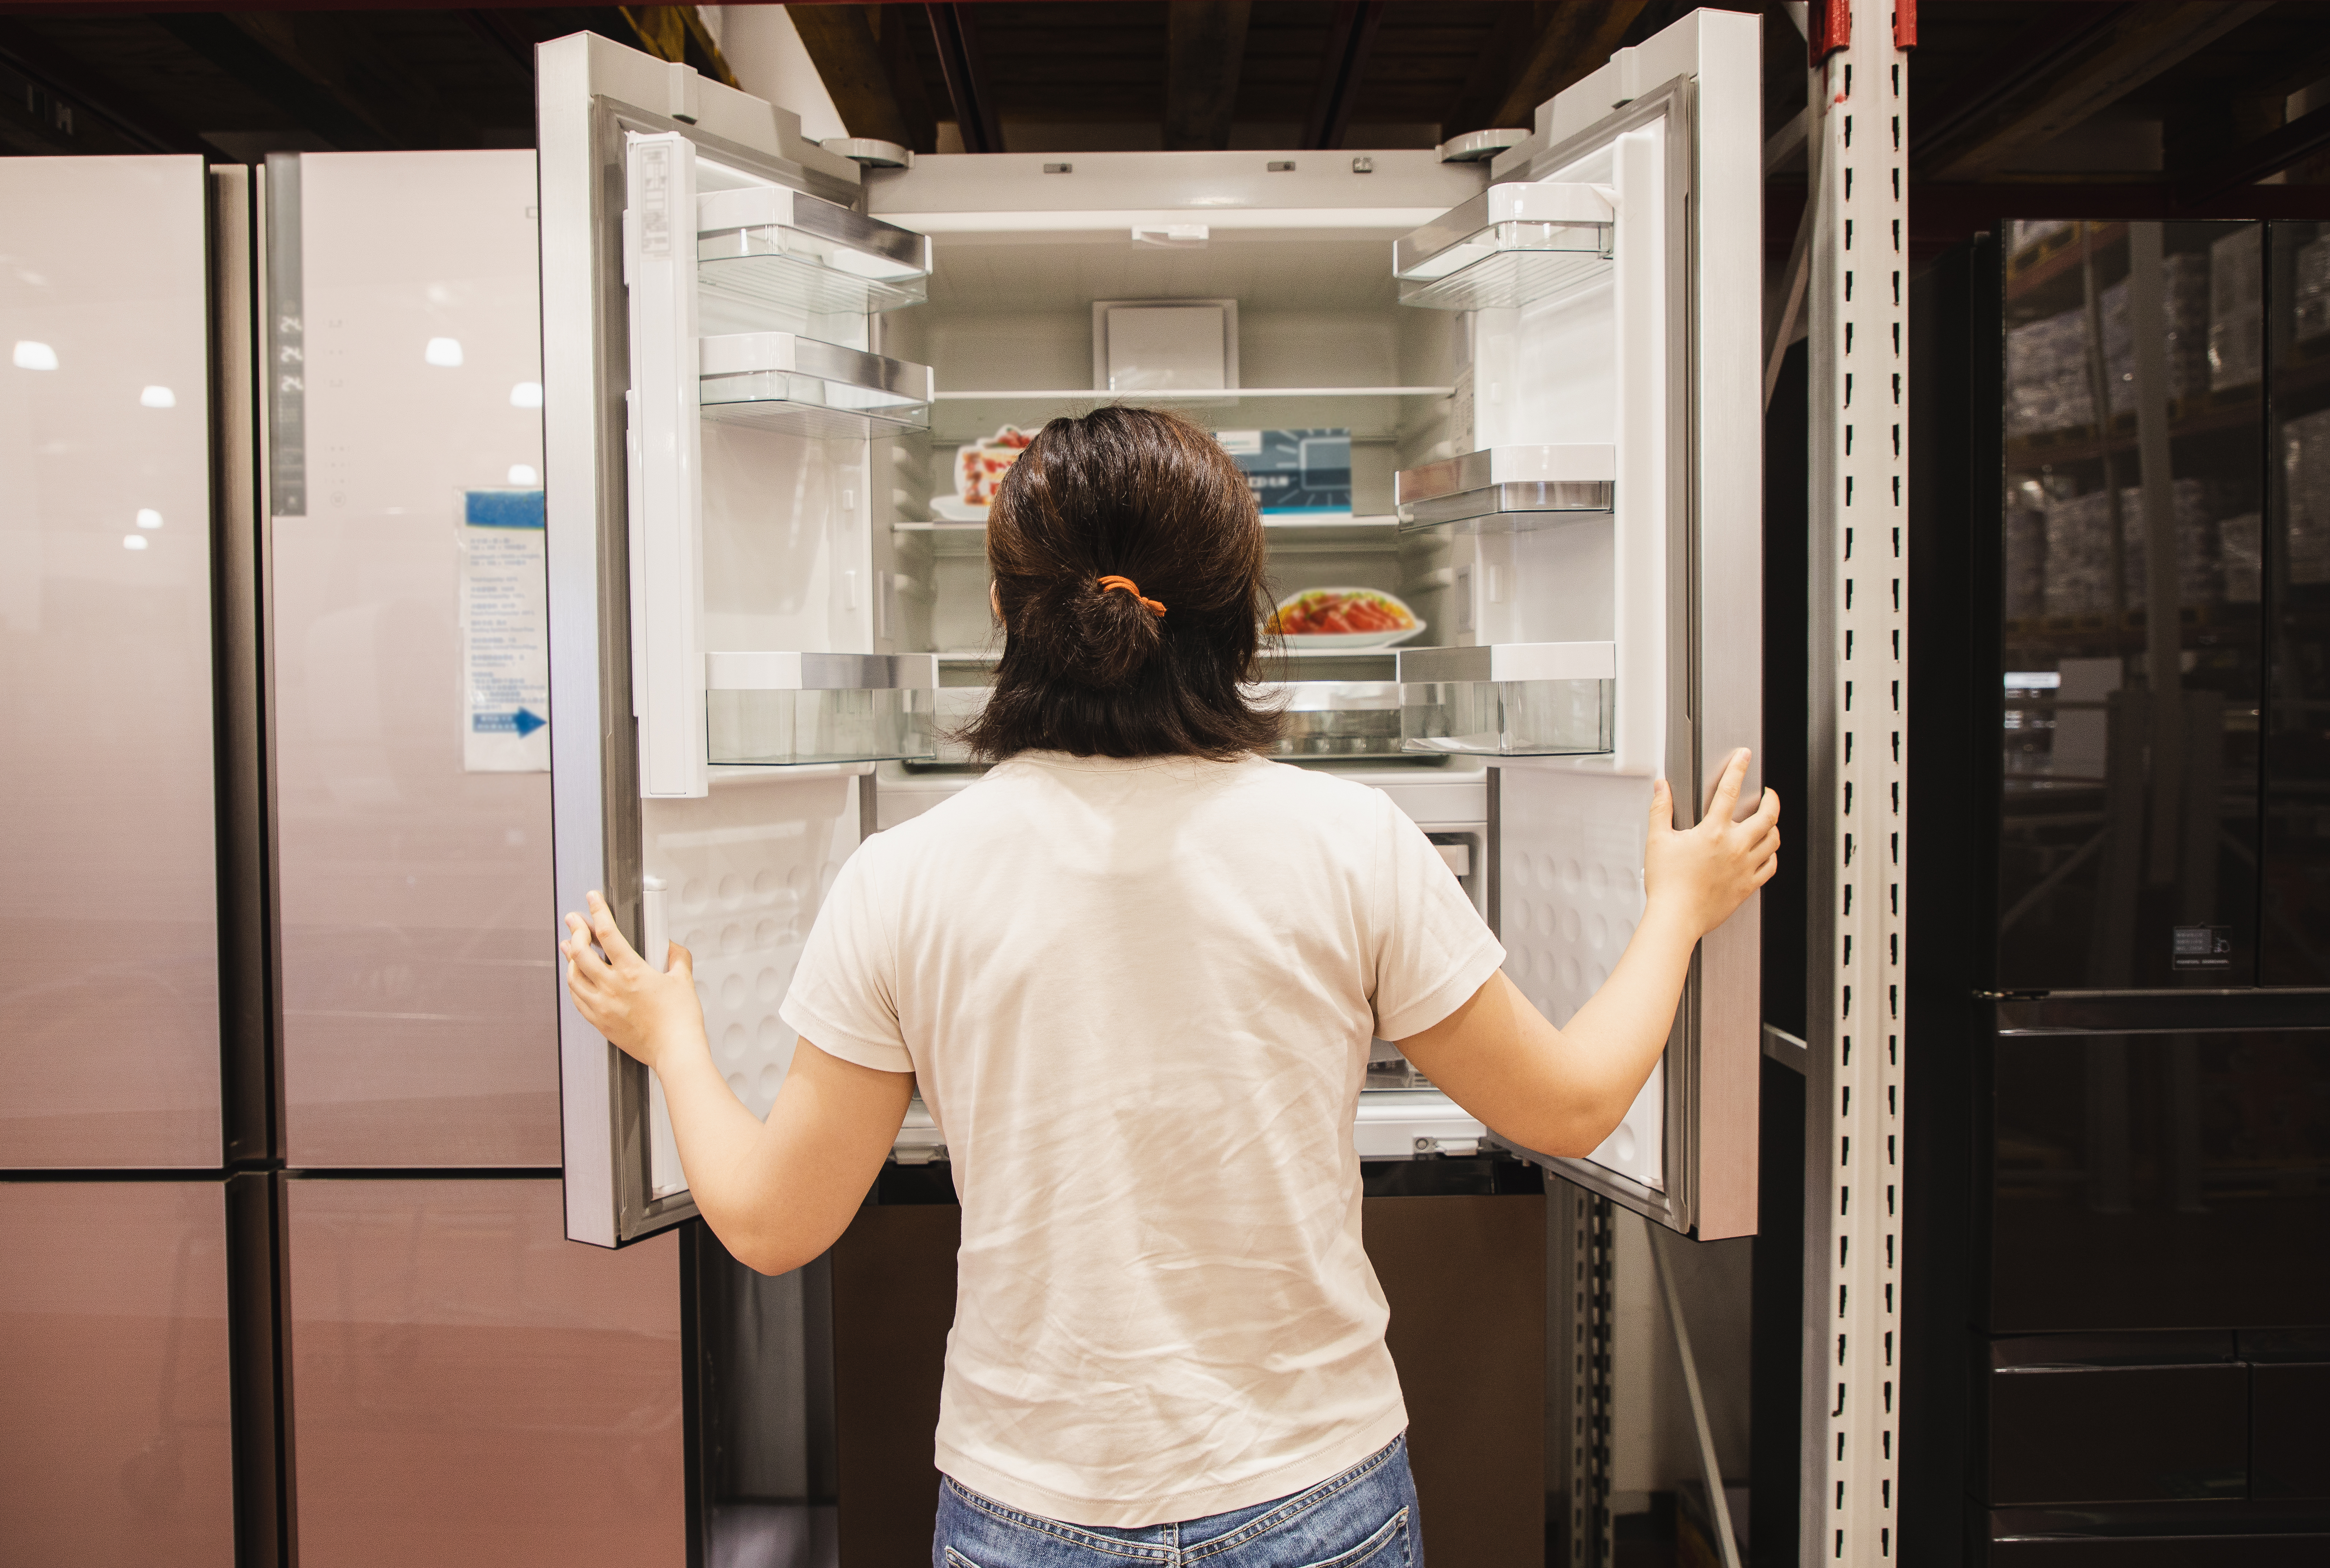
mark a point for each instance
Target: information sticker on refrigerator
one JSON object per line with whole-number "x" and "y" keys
{"x": 505, "y": 633}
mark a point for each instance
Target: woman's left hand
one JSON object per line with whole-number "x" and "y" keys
{"x": 638, "y": 1007}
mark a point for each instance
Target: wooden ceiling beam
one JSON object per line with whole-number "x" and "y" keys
{"x": 67, "y": 77}
{"x": 860, "y": 55}
{"x": 2127, "y": 48}
{"x": 1343, "y": 65}
{"x": 968, "y": 86}
{"x": 2271, "y": 153}
{"x": 310, "y": 103}
{"x": 1536, "y": 51}
{"x": 1205, "y": 48}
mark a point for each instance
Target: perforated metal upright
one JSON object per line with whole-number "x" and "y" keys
{"x": 1854, "y": 824}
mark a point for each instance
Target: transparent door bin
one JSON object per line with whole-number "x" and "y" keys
{"x": 1510, "y": 699}
{"x": 780, "y": 381}
{"x": 772, "y": 247}
{"x": 786, "y": 709}
{"x": 1512, "y": 244}
{"x": 1336, "y": 718}
{"x": 1508, "y": 490}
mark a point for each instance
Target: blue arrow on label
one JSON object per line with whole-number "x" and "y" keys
{"x": 527, "y": 722}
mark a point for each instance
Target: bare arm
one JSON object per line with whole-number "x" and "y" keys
{"x": 777, "y": 1192}
{"x": 1564, "y": 1091}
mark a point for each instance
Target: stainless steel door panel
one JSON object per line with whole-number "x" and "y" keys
{"x": 114, "y": 1432}
{"x": 468, "y": 1388}
{"x": 108, "y": 907}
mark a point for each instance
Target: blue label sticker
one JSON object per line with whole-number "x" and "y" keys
{"x": 502, "y": 508}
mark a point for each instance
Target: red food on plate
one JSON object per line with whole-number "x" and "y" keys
{"x": 1329, "y": 612}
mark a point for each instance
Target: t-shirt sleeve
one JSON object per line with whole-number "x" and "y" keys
{"x": 1432, "y": 950}
{"x": 843, "y": 998}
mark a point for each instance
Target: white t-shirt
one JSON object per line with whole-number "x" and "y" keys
{"x": 1138, "y": 996}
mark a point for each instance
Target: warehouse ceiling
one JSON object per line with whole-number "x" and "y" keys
{"x": 2155, "y": 107}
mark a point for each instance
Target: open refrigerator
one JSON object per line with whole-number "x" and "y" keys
{"x": 1512, "y": 405}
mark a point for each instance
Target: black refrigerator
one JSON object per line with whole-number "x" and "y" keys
{"x": 2118, "y": 1259}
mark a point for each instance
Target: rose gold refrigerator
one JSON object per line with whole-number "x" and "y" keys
{"x": 118, "y": 1421}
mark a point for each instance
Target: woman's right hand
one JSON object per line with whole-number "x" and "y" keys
{"x": 1700, "y": 874}
{"x": 638, "y": 1007}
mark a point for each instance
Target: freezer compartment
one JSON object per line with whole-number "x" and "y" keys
{"x": 780, "y": 709}
{"x": 770, "y": 246}
{"x": 780, "y": 381}
{"x": 1548, "y": 699}
{"x": 1508, "y": 490}
{"x": 1512, "y": 244}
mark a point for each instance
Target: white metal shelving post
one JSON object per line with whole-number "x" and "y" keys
{"x": 1854, "y": 820}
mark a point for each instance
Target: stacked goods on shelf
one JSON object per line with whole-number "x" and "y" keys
{"x": 2305, "y": 454}
{"x": 2026, "y": 564}
{"x": 2031, "y": 230}
{"x": 2236, "y": 308}
{"x": 2047, "y": 369}
{"x": 2240, "y": 552}
{"x": 2079, "y": 550}
{"x": 2312, "y": 289}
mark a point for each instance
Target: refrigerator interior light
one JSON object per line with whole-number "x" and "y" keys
{"x": 526, "y": 394}
{"x": 524, "y": 474}
{"x": 31, "y": 355}
{"x": 158, "y": 397}
{"x": 149, "y": 518}
{"x": 133, "y": 541}
{"x": 445, "y": 351}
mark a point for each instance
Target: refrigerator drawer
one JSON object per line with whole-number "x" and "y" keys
{"x": 2115, "y": 1434}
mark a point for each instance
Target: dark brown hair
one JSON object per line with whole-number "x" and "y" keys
{"x": 1146, "y": 495}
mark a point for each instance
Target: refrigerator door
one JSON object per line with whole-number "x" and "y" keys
{"x": 1653, "y": 354}
{"x": 406, "y": 623}
{"x": 117, "y": 1438}
{"x": 468, "y": 1389}
{"x": 674, "y": 538}
{"x": 109, "y": 908}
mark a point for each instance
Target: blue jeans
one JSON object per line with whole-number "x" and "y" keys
{"x": 1365, "y": 1515}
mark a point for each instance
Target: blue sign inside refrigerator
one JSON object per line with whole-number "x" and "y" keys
{"x": 1294, "y": 471}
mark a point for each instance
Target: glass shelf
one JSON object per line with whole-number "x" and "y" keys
{"x": 780, "y": 381}
{"x": 785, "y": 709}
{"x": 1369, "y": 412}
{"x": 1512, "y": 244}
{"x": 1508, "y": 490}
{"x": 770, "y": 246}
{"x": 1510, "y": 699}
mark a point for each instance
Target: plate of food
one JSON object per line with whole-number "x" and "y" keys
{"x": 1333, "y": 617}
{"x": 979, "y": 471}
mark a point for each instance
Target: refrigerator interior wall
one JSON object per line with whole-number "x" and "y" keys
{"x": 409, "y": 664}
{"x": 105, "y": 696}
{"x": 1023, "y": 254}
{"x": 732, "y": 862}
{"x": 114, "y": 1351}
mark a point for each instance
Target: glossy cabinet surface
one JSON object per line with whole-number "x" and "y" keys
{"x": 115, "y": 1445}
{"x": 470, "y": 1388}
{"x": 2294, "y": 935}
{"x": 2133, "y": 654}
{"x": 418, "y": 983}
{"x": 2159, "y": 1181}
{"x": 109, "y": 907}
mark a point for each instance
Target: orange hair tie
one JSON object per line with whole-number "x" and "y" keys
{"x": 1113, "y": 581}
